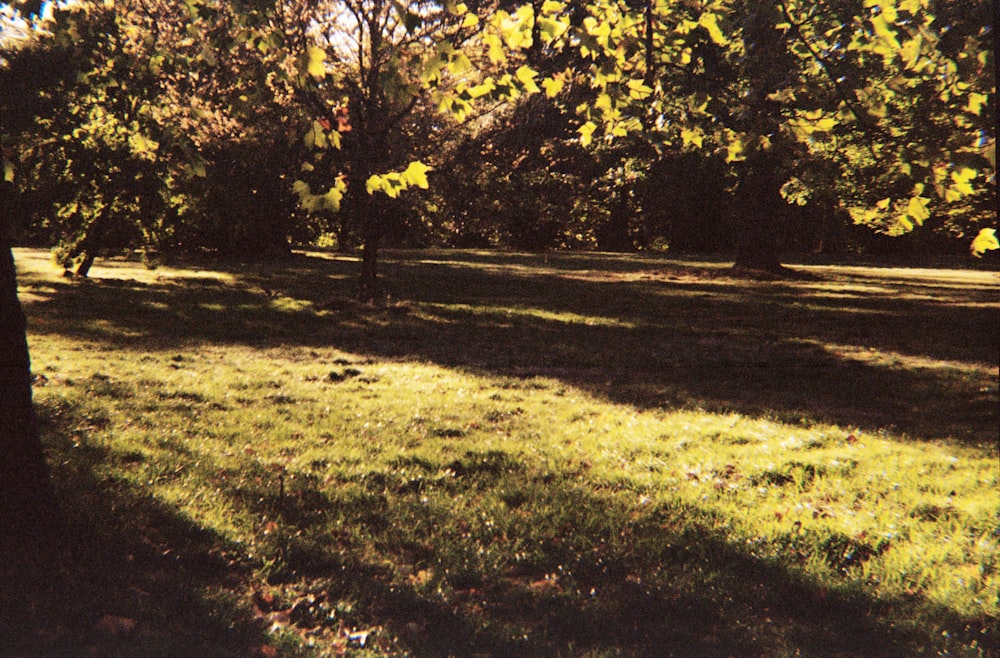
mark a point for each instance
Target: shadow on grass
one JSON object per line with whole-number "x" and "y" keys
{"x": 120, "y": 574}
{"x": 850, "y": 348}
{"x": 915, "y": 356}
{"x": 583, "y": 574}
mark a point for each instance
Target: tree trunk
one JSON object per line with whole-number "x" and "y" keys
{"x": 761, "y": 207}
{"x": 368, "y": 286}
{"x": 26, "y": 497}
{"x": 766, "y": 65}
{"x": 83, "y": 269}
{"x": 614, "y": 234}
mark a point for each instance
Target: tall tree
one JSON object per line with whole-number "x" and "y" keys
{"x": 896, "y": 89}
{"x": 26, "y": 495}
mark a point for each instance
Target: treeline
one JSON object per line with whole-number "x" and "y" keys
{"x": 733, "y": 126}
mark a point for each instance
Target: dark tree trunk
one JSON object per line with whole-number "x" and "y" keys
{"x": 369, "y": 213}
{"x": 766, "y": 65}
{"x": 26, "y": 497}
{"x": 614, "y": 234}
{"x": 761, "y": 207}
{"x": 83, "y": 269}
{"x": 368, "y": 286}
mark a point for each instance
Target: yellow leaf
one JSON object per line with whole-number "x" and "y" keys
{"x": 527, "y": 78}
{"x": 825, "y": 125}
{"x": 911, "y": 51}
{"x": 885, "y": 33}
{"x": 142, "y": 145}
{"x": 692, "y": 136}
{"x": 315, "y": 67}
{"x": 587, "y": 133}
{"x": 985, "y": 241}
{"x": 962, "y": 180}
{"x": 735, "y": 150}
{"x": 552, "y": 7}
{"x": 917, "y": 209}
{"x": 416, "y": 174}
{"x": 374, "y": 183}
{"x": 638, "y": 89}
{"x": 471, "y": 20}
{"x": 976, "y": 102}
{"x": 552, "y": 86}
{"x": 711, "y": 23}
{"x": 332, "y": 199}
{"x": 497, "y": 53}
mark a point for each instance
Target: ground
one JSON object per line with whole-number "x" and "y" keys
{"x": 563, "y": 454}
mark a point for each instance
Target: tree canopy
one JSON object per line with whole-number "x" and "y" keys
{"x": 239, "y": 126}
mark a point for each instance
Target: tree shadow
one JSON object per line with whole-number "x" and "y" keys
{"x": 916, "y": 357}
{"x": 659, "y": 338}
{"x": 119, "y": 573}
{"x": 600, "y": 579}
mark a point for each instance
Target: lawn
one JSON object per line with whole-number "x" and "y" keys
{"x": 513, "y": 455}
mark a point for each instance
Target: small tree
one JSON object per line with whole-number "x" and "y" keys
{"x": 384, "y": 81}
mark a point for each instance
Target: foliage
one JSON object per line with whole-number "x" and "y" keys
{"x": 880, "y": 112}
{"x": 894, "y": 94}
{"x": 111, "y": 153}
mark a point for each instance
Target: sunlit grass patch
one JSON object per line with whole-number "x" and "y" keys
{"x": 511, "y": 477}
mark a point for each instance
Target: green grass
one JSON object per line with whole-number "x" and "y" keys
{"x": 562, "y": 455}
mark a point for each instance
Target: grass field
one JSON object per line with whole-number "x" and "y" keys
{"x": 513, "y": 455}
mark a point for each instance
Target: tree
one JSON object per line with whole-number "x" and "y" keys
{"x": 896, "y": 90}
{"x": 26, "y": 496}
{"x": 379, "y": 71}
{"x": 108, "y": 156}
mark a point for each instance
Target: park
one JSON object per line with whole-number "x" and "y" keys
{"x": 370, "y": 328}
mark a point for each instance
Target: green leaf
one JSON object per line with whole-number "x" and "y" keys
{"x": 985, "y": 241}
